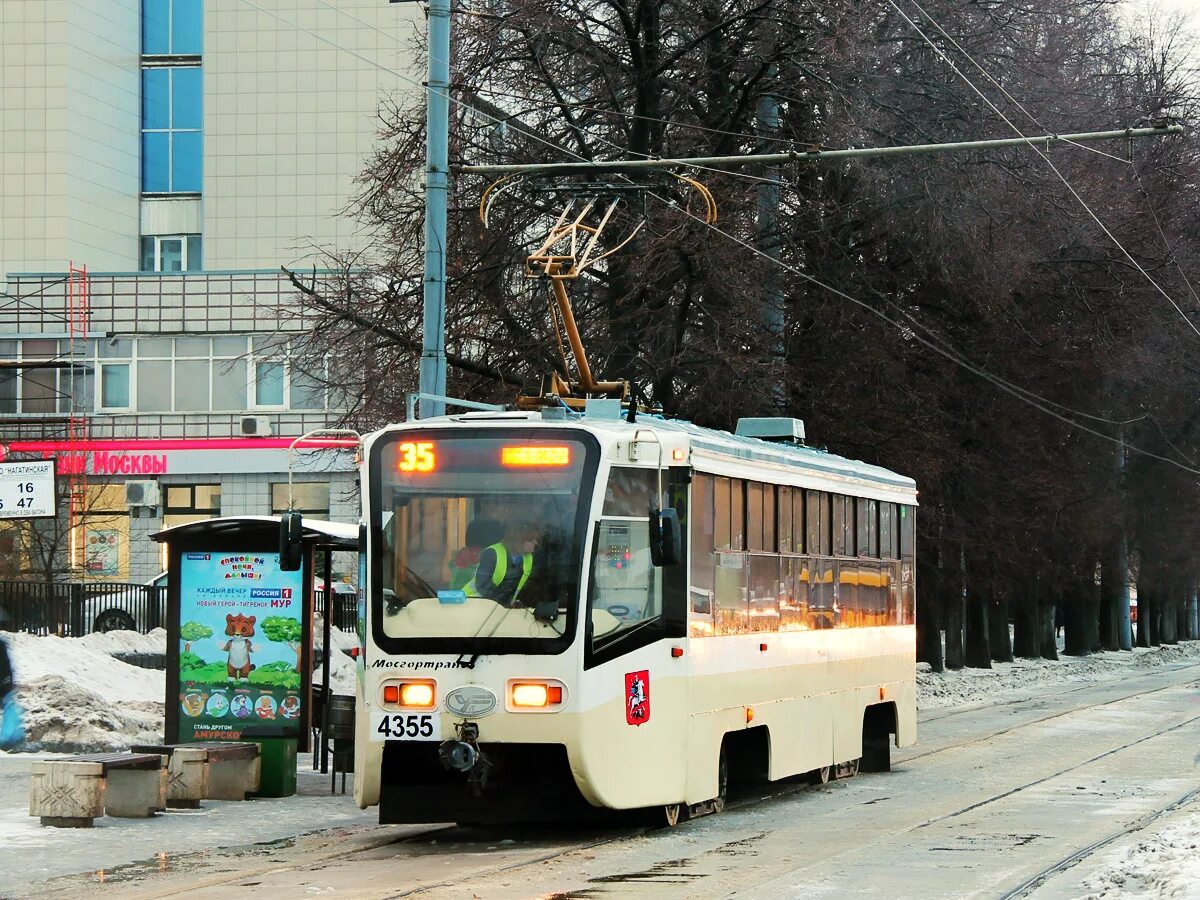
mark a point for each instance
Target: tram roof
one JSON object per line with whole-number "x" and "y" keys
{"x": 757, "y": 450}
{"x": 737, "y": 446}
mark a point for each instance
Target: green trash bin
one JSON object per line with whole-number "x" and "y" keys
{"x": 278, "y": 760}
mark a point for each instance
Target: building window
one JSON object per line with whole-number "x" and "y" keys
{"x": 171, "y": 253}
{"x": 179, "y": 374}
{"x": 311, "y": 498}
{"x": 268, "y": 383}
{"x": 114, "y": 386}
{"x": 270, "y": 373}
{"x": 172, "y": 27}
{"x": 172, "y": 118}
{"x": 183, "y": 503}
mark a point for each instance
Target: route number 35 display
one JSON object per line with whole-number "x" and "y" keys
{"x": 405, "y": 727}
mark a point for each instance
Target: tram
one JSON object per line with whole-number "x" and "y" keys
{"x": 567, "y": 612}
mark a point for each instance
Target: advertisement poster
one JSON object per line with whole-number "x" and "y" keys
{"x": 102, "y": 555}
{"x": 241, "y": 639}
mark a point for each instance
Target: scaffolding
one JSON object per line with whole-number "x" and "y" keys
{"x": 78, "y": 396}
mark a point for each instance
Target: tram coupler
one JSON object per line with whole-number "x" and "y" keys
{"x": 464, "y": 755}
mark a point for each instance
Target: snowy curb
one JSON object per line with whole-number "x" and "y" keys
{"x": 1029, "y": 677}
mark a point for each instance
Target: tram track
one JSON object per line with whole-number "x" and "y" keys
{"x": 1048, "y": 718}
{"x": 975, "y": 707}
{"x": 761, "y": 797}
{"x": 1139, "y": 824}
{"x": 680, "y": 866}
{"x": 439, "y": 837}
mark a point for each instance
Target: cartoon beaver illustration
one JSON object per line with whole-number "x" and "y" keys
{"x": 240, "y": 629}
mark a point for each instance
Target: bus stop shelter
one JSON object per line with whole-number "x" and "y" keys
{"x": 240, "y": 632}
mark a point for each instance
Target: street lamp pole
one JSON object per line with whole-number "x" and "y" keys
{"x": 437, "y": 184}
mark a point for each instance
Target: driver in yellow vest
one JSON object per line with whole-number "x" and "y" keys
{"x": 504, "y": 567}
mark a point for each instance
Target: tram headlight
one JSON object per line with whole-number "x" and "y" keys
{"x": 417, "y": 694}
{"x": 535, "y": 695}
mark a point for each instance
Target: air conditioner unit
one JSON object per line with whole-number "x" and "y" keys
{"x": 256, "y": 426}
{"x": 141, "y": 493}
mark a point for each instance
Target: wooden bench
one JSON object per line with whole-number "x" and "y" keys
{"x": 234, "y": 769}
{"x": 72, "y": 792}
{"x": 187, "y": 773}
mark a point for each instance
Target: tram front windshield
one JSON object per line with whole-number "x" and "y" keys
{"x": 479, "y": 539}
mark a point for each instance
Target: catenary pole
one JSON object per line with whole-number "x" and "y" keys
{"x": 437, "y": 174}
{"x": 776, "y": 159}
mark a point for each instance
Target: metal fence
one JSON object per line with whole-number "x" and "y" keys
{"x": 73, "y": 610}
{"x": 345, "y": 609}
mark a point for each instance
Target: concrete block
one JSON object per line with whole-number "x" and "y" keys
{"x": 187, "y": 778}
{"x": 232, "y": 779}
{"x": 67, "y": 794}
{"x": 135, "y": 793}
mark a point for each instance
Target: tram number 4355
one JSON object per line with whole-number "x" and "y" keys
{"x": 405, "y": 727}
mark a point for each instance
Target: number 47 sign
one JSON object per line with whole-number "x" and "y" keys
{"x": 27, "y": 490}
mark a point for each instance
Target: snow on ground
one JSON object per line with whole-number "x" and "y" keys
{"x": 341, "y": 674}
{"x": 1166, "y": 864}
{"x": 78, "y": 661}
{"x": 126, "y": 641}
{"x": 61, "y": 717}
{"x": 1029, "y": 677}
{"x": 78, "y": 698}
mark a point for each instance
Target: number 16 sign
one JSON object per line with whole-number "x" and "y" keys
{"x": 27, "y": 490}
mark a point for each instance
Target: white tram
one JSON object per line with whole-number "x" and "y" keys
{"x": 779, "y": 641}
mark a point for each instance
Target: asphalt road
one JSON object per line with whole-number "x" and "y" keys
{"x": 1011, "y": 800}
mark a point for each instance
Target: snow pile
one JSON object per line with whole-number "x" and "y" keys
{"x": 341, "y": 674}
{"x": 1030, "y": 677}
{"x": 61, "y": 717}
{"x": 126, "y": 641}
{"x": 78, "y": 698}
{"x": 342, "y": 641}
{"x": 1164, "y": 865}
{"x": 76, "y": 661}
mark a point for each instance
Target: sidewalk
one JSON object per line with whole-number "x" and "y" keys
{"x": 30, "y": 853}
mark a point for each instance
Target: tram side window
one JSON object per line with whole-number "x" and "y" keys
{"x": 630, "y": 492}
{"x": 908, "y": 593}
{"x": 822, "y": 598}
{"x": 798, "y": 521}
{"x": 793, "y": 599}
{"x": 754, "y": 515}
{"x": 769, "y": 518}
{"x": 818, "y": 512}
{"x": 721, "y": 491}
{"x": 626, "y": 587}
{"x": 843, "y": 525}
{"x": 907, "y": 532}
{"x": 737, "y": 514}
{"x": 702, "y": 547}
{"x": 868, "y": 527}
{"x": 889, "y": 534}
{"x": 731, "y": 609}
{"x": 784, "y": 497}
{"x": 894, "y": 593}
{"x": 908, "y": 564}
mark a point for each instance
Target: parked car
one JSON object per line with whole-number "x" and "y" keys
{"x": 136, "y": 607}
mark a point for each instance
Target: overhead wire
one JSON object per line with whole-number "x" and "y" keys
{"x": 1071, "y": 188}
{"x": 1022, "y": 394}
{"x": 1019, "y": 393}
